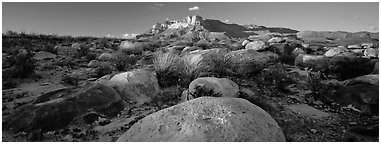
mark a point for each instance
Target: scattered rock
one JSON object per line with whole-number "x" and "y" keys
{"x": 371, "y": 52}
{"x": 245, "y": 42}
{"x": 43, "y": 55}
{"x": 313, "y": 130}
{"x": 136, "y": 86}
{"x": 256, "y": 45}
{"x": 339, "y": 51}
{"x": 276, "y": 40}
{"x": 105, "y": 57}
{"x": 307, "y": 110}
{"x": 189, "y": 49}
{"x": 211, "y": 86}
{"x": 249, "y": 61}
{"x": 354, "y": 47}
{"x": 207, "y": 119}
{"x": 93, "y": 64}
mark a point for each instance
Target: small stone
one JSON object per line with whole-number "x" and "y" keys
{"x": 68, "y": 138}
{"x": 44, "y": 84}
{"x": 313, "y": 130}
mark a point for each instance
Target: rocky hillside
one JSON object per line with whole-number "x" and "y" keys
{"x": 192, "y": 80}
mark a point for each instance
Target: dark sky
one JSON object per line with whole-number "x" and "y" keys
{"x": 118, "y": 19}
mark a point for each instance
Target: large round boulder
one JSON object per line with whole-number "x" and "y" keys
{"x": 136, "y": 86}
{"x": 211, "y": 86}
{"x": 316, "y": 62}
{"x": 249, "y": 61}
{"x": 256, "y": 45}
{"x": 207, "y": 119}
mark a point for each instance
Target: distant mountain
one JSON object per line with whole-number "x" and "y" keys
{"x": 195, "y": 28}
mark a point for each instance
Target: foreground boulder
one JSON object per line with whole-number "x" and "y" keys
{"x": 56, "y": 110}
{"x": 136, "y": 86}
{"x": 249, "y": 61}
{"x": 207, "y": 119}
{"x": 211, "y": 86}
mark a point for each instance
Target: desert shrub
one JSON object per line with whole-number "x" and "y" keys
{"x": 169, "y": 68}
{"x": 24, "y": 64}
{"x": 202, "y": 45}
{"x": 260, "y": 101}
{"x": 277, "y": 76}
{"x": 319, "y": 90}
{"x": 137, "y": 48}
{"x": 169, "y": 96}
{"x": 287, "y": 59}
{"x": 183, "y": 43}
{"x": 123, "y": 61}
{"x": 102, "y": 70}
{"x": 71, "y": 80}
{"x": 91, "y": 56}
{"x": 216, "y": 65}
{"x": 66, "y": 62}
{"x": 83, "y": 51}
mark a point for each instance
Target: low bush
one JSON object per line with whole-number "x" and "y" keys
{"x": 91, "y": 56}
{"x": 215, "y": 65}
{"x": 24, "y": 64}
{"x": 319, "y": 90}
{"x": 102, "y": 70}
{"x": 277, "y": 76}
{"x": 124, "y": 61}
{"x": 169, "y": 68}
{"x": 83, "y": 51}
{"x": 71, "y": 80}
{"x": 169, "y": 96}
